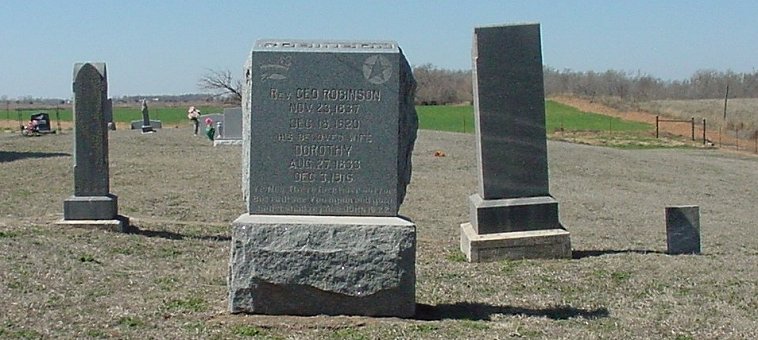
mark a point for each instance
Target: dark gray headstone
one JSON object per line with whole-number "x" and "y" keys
{"x": 92, "y": 199}
{"x": 509, "y": 101}
{"x": 683, "y": 229}
{"x": 333, "y": 125}
{"x": 509, "y": 106}
{"x": 513, "y": 201}
{"x": 91, "y": 176}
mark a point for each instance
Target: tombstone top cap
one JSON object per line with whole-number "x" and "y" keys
{"x": 337, "y": 46}
{"x": 510, "y": 25}
{"x": 100, "y": 67}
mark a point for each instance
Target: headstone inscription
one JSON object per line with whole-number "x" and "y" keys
{"x": 512, "y": 214}
{"x": 323, "y": 136}
{"x": 92, "y": 203}
{"x": 329, "y": 138}
{"x": 683, "y": 229}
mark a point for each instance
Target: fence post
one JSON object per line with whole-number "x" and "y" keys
{"x": 610, "y": 125}
{"x": 737, "y": 137}
{"x": 58, "y": 119}
{"x": 704, "y": 131}
{"x": 18, "y": 113}
{"x": 656, "y": 127}
{"x": 693, "y": 129}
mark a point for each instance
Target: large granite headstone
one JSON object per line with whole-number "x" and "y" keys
{"x": 327, "y": 155}
{"x": 92, "y": 203}
{"x": 512, "y": 214}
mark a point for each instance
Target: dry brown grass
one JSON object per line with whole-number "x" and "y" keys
{"x": 168, "y": 279}
{"x": 742, "y": 113}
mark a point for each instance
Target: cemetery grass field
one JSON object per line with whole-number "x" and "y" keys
{"x": 167, "y": 279}
{"x": 563, "y": 122}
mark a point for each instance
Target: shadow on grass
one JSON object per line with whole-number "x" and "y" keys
{"x": 169, "y": 235}
{"x": 483, "y": 312}
{"x": 580, "y": 254}
{"x": 10, "y": 156}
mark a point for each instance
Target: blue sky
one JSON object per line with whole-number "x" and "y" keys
{"x": 164, "y": 47}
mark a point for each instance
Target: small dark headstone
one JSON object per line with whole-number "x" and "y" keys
{"x": 683, "y": 229}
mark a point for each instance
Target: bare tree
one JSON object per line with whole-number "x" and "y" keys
{"x": 440, "y": 86}
{"x": 223, "y": 84}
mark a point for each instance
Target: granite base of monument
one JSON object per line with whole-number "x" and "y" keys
{"x": 513, "y": 214}
{"x": 118, "y": 224}
{"x": 332, "y": 265}
{"x": 93, "y": 212}
{"x": 217, "y": 142}
{"x": 514, "y": 228}
{"x": 90, "y": 207}
{"x": 531, "y": 244}
{"x": 139, "y": 124}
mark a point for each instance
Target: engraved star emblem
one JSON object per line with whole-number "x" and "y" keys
{"x": 377, "y": 69}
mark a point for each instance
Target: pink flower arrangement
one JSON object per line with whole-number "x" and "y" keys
{"x": 193, "y": 113}
{"x": 208, "y": 121}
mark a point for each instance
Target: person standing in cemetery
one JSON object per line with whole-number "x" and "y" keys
{"x": 193, "y": 113}
{"x": 210, "y": 131}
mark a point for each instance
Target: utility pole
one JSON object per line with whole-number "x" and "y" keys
{"x": 726, "y": 98}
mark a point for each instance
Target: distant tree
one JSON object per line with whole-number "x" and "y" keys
{"x": 440, "y": 86}
{"x": 222, "y": 84}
